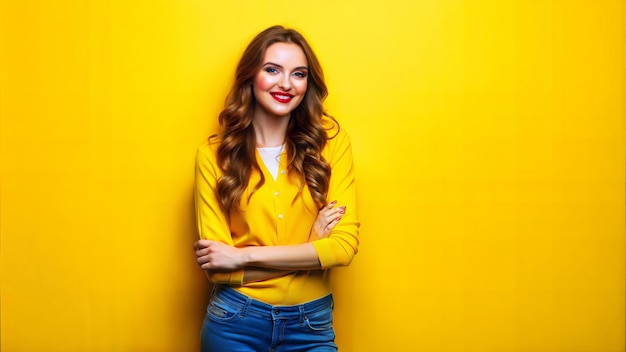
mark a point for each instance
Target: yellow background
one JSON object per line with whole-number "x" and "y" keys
{"x": 489, "y": 142}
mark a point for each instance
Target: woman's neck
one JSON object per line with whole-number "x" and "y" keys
{"x": 270, "y": 131}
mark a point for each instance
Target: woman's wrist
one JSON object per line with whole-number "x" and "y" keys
{"x": 247, "y": 256}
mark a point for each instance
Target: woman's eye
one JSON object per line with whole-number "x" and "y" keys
{"x": 271, "y": 70}
{"x": 300, "y": 74}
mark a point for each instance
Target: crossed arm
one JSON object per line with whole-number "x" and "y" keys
{"x": 264, "y": 262}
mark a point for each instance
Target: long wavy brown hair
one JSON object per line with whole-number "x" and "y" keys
{"x": 305, "y": 138}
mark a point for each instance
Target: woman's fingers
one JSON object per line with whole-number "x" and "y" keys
{"x": 330, "y": 211}
{"x": 333, "y": 214}
{"x": 202, "y": 250}
{"x": 199, "y": 244}
{"x": 327, "y": 218}
{"x": 216, "y": 255}
{"x": 325, "y": 209}
{"x": 331, "y": 225}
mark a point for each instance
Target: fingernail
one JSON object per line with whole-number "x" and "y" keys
{"x": 333, "y": 202}
{"x": 342, "y": 211}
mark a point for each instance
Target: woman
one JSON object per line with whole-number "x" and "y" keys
{"x": 275, "y": 204}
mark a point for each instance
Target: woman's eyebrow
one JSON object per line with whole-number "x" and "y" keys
{"x": 281, "y": 66}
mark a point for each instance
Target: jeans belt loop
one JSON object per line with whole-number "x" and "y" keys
{"x": 245, "y": 307}
{"x": 302, "y": 314}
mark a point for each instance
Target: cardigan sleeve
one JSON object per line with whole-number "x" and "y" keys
{"x": 339, "y": 248}
{"x": 211, "y": 220}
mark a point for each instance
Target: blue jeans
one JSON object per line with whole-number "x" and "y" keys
{"x": 237, "y": 323}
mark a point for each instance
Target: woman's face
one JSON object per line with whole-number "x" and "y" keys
{"x": 281, "y": 83}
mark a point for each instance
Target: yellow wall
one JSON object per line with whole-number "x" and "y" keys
{"x": 489, "y": 143}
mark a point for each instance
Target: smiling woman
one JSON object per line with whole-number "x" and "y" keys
{"x": 280, "y": 86}
{"x": 272, "y": 219}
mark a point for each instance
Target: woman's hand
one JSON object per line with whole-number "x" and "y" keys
{"x": 213, "y": 255}
{"x": 327, "y": 218}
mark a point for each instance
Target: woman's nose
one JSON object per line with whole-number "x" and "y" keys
{"x": 284, "y": 82}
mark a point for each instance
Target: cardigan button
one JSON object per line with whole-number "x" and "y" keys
{"x": 282, "y": 172}
{"x": 276, "y": 194}
{"x": 280, "y": 216}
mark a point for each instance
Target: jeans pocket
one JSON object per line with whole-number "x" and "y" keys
{"x": 220, "y": 310}
{"x": 320, "y": 320}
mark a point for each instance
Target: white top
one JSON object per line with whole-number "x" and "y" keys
{"x": 271, "y": 158}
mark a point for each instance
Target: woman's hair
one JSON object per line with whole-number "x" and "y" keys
{"x": 305, "y": 137}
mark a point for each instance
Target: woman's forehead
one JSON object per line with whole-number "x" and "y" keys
{"x": 285, "y": 54}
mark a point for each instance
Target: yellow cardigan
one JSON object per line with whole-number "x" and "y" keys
{"x": 277, "y": 215}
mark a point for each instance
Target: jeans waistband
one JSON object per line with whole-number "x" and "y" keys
{"x": 247, "y": 304}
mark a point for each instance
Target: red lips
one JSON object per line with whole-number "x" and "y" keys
{"x": 282, "y": 97}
